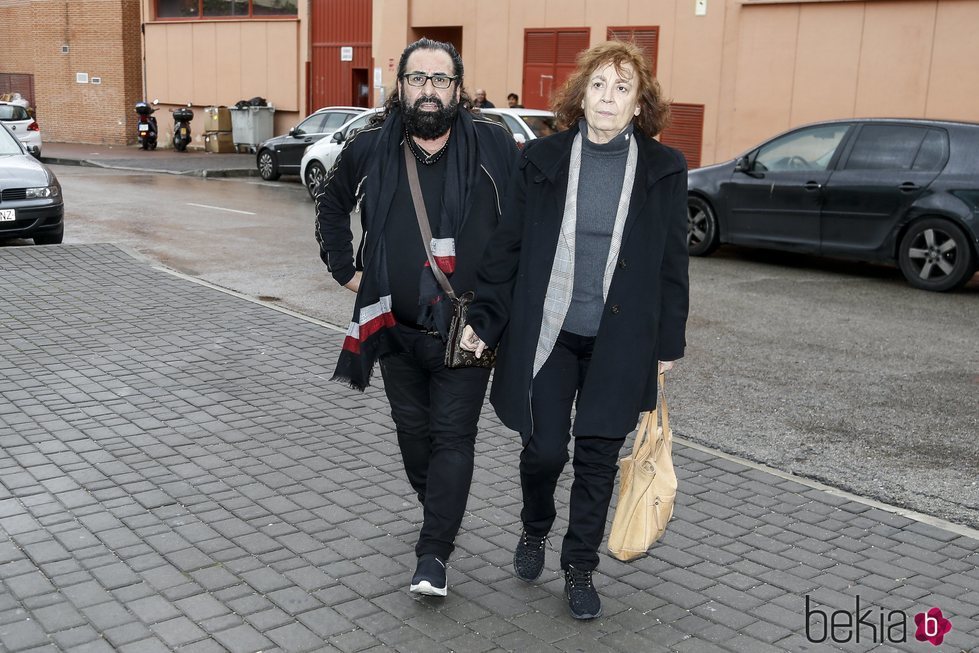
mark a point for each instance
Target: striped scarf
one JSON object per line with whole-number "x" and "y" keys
{"x": 371, "y": 332}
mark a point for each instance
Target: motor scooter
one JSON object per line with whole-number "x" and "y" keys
{"x": 181, "y": 127}
{"x": 146, "y": 130}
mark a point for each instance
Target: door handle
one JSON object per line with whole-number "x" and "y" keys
{"x": 811, "y": 185}
{"x": 908, "y": 186}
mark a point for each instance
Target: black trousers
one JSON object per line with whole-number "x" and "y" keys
{"x": 435, "y": 411}
{"x": 542, "y": 460}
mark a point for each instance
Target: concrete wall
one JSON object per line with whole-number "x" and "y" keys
{"x": 219, "y": 62}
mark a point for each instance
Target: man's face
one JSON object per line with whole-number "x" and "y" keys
{"x": 429, "y": 111}
{"x": 511, "y": 100}
{"x": 480, "y": 95}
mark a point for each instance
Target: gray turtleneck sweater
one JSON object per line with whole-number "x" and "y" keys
{"x": 599, "y": 188}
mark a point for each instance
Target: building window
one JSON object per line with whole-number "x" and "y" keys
{"x": 225, "y": 8}
{"x": 686, "y": 131}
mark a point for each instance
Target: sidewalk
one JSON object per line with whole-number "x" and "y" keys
{"x": 131, "y": 157}
{"x": 177, "y": 472}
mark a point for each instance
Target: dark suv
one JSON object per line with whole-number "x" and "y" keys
{"x": 898, "y": 191}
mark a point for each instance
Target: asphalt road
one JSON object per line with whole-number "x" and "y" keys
{"x": 831, "y": 370}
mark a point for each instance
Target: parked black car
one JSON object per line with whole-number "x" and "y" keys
{"x": 898, "y": 191}
{"x": 280, "y": 155}
{"x": 30, "y": 195}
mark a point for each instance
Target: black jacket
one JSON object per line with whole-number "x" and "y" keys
{"x": 645, "y": 314}
{"x": 355, "y": 182}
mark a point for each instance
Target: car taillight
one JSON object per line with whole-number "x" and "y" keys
{"x": 34, "y": 127}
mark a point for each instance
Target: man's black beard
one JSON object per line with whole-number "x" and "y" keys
{"x": 428, "y": 125}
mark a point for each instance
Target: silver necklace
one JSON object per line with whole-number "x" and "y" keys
{"x": 424, "y": 157}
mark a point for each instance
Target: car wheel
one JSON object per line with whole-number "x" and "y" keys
{"x": 51, "y": 238}
{"x": 702, "y": 238}
{"x": 315, "y": 176}
{"x": 267, "y": 166}
{"x": 936, "y": 255}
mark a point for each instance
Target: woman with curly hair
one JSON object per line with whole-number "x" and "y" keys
{"x": 584, "y": 289}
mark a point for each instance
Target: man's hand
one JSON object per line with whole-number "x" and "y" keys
{"x": 665, "y": 366}
{"x": 354, "y": 283}
{"x": 471, "y": 342}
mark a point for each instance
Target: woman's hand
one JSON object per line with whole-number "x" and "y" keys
{"x": 665, "y": 366}
{"x": 471, "y": 342}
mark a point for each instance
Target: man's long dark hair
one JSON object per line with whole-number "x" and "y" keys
{"x": 393, "y": 100}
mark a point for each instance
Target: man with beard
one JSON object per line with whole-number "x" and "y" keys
{"x": 401, "y": 314}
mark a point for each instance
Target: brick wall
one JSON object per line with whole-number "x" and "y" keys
{"x": 18, "y": 51}
{"x": 103, "y": 37}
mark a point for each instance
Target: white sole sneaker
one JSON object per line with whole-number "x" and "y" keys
{"x": 425, "y": 588}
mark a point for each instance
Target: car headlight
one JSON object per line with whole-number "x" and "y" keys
{"x": 43, "y": 192}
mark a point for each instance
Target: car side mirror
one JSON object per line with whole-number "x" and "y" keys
{"x": 742, "y": 164}
{"x": 338, "y": 137}
{"x": 296, "y": 131}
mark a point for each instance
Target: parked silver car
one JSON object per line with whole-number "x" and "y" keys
{"x": 30, "y": 195}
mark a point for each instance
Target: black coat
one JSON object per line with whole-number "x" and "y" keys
{"x": 646, "y": 309}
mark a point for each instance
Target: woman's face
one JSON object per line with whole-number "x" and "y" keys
{"x": 611, "y": 101}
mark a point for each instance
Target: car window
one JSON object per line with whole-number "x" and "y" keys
{"x": 312, "y": 124}
{"x": 9, "y": 144}
{"x": 13, "y": 112}
{"x": 334, "y": 120}
{"x": 933, "y": 152}
{"x": 514, "y": 125}
{"x": 541, "y": 125}
{"x": 357, "y": 125}
{"x": 806, "y": 149}
{"x": 886, "y": 147}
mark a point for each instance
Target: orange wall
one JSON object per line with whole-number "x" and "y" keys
{"x": 758, "y": 66}
{"x": 219, "y": 62}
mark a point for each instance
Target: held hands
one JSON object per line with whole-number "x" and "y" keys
{"x": 471, "y": 342}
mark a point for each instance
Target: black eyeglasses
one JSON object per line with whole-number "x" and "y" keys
{"x": 438, "y": 80}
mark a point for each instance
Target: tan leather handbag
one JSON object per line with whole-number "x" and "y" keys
{"x": 647, "y": 486}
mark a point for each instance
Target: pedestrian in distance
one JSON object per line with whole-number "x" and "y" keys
{"x": 513, "y": 101}
{"x": 584, "y": 288}
{"x": 480, "y": 102}
{"x": 401, "y": 315}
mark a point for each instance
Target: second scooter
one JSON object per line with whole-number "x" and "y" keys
{"x": 181, "y": 127}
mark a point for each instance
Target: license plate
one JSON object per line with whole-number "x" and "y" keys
{"x": 8, "y": 215}
{"x": 144, "y": 127}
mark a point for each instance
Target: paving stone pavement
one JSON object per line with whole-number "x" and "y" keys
{"x": 177, "y": 473}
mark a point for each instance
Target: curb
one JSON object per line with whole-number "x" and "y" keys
{"x": 200, "y": 172}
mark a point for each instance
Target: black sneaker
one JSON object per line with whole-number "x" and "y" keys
{"x": 582, "y": 597}
{"x": 528, "y": 557}
{"x": 429, "y": 578}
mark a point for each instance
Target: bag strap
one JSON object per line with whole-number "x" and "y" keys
{"x": 424, "y": 226}
{"x": 651, "y": 419}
